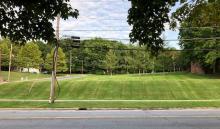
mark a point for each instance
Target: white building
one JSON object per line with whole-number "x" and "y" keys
{"x": 31, "y": 70}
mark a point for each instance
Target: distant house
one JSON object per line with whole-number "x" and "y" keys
{"x": 30, "y": 70}
{"x": 199, "y": 69}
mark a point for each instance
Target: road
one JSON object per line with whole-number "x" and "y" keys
{"x": 110, "y": 119}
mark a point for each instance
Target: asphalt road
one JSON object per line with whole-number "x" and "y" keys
{"x": 107, "y": 119}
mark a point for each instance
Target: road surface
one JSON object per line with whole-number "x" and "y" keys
{"x": 110, "y": 119}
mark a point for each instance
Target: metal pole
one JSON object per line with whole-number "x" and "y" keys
{"x": 9, "y": 66}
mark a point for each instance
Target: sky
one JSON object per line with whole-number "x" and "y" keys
{"x": 106, "y": 19}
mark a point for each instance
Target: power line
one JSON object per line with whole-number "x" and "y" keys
{"x": 199, "y": 27}
{"x": 126, "y": 49}
{"x": 95, "y": 30}
{"x": 180, "y": 28}
{"x": 98, "y": 1}
{"x": 189, "y": 39}
{"x": 101, "y": 19}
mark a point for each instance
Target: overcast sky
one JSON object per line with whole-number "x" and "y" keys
{"x": 102, "y": 16}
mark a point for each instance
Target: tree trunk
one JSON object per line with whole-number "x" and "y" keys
{"x": 139, "y": 71}
{"x": 174, "y": 67}
{"x": 82, "y": 69}
{"x": 9, "y": 66}
{"x": 214, "y": 67}
{"x": 163, "y": 67}
{"x": 153, "y": 67}
{"x": 127, "y": 70}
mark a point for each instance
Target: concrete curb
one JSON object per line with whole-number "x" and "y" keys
{"x": 60, "y": 100}
{"x": 137, "y": 109}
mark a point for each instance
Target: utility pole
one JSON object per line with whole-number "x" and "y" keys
{"x": 55, "y": 54}
{"x": 0, "y": 60}
{"x": 1, "y": 79}
{"x": 70, "y": 62}
{"x": 9, "y": 66}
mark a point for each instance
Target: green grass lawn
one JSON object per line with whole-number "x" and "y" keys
{"x": 17, "y": 76}
{"x": 173, "y": 86}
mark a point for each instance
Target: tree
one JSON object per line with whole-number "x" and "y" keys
{"x": 200, "y": 13}
{"x": 23, "y": 20}
{"x": 147, "y": 19}
{"x": 30, "y": 56}
{"x": 139, "y": 60}
{"x": 92, "y": 52}
{"x": 197, "y": 12}
{"x": 148, "y": 62}
{"x": 44, "y": 48}
{"x": 4, "y": 52}
{"x": 168, "y": 60}
{"x": 110, "y": 61}
{"x": 128, "y": 61}
{"x": 61, "y": 62}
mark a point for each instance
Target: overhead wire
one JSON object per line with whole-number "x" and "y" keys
{"x": 95, "y": 1}
{"x": 125, "y": 30}
{"x": 134, "y": 49}
{"x": 184, "y": 39}
{"x": 180, "y": 28}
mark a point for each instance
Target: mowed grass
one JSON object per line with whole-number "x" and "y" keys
{"x": 170, "y": 87}
{"x": 17, "y": 76}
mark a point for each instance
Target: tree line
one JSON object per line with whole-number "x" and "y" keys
{"x": 96, "y": 56}
{"x": 201, "y": 21}
{"x": 31, "y": 55}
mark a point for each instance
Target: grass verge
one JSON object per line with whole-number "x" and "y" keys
{"x": 114, "y": 105}
{"x": 172, "y": 86}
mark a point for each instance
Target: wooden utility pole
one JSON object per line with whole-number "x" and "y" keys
{"x": 1, "y": 79}
{"x": 0, "y": 60}
{"x": 70, "y": 62}
{"x": 55, "y": 54}
{"x": 9, "y": 65}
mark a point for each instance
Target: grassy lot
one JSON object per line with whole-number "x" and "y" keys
{"x": 157, "y": 87}
{"x": 16, "y": 76}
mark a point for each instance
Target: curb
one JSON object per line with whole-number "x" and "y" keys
{"x": 92, "y": 109}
